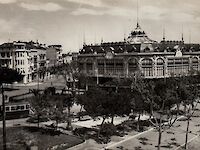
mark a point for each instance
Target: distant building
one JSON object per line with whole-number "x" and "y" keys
{"x": 74, "y": 56}
{"x": 138, "y": 53}
{"x": 54, "y": 55}
{"x": 67, "y": 58}
{"x": 28, "y": 58}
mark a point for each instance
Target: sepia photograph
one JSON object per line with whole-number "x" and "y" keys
{"x": 99, "y": 75}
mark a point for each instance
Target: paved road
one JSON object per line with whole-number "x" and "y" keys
{"x": 24, "y": 88}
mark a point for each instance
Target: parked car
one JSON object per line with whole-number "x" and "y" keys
{"x": 34, "y": 119}
{"x": 85, "y": 118}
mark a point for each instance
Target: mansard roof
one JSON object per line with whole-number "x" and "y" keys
{"x": 124, "y": 47}
{"x": 138, "y": 41}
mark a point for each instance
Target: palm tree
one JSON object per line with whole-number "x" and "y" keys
{"x": 70, "y": 74}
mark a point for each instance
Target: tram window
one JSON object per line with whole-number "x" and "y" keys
{"x": 18, "y": 108}
{"x": 13, "y": 107}
{"x": 22, "y": 107}
{"x": 7, "y": 109}
{"x": 27, "y": 106}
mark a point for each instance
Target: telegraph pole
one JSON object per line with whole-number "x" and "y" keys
{"x": 4, "y": 118}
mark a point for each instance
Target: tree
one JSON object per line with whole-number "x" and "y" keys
{"x": 98, "y": 102}
{"x": 70, "y": 74}
{"x": 93, "y": 103}
{"x": 69, "y": 102}
{"x": 83, "y": 81}
{"x": 190, "y": 101}
{"x": 80, "y": 100}
{"x": 163, "y": 100}
{"x": 117, "y": 104}
{"x": 138, "y": 98}
{"x": 40, "y": 105}
{"x": 7, "y": 76}
{"x": 57, "y": 107}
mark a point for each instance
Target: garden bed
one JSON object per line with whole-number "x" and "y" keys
{"x": 22, "y": 138}
{"x": 109, "y": 130}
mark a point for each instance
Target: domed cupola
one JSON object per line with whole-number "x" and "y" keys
{"x": 138, "y": 36}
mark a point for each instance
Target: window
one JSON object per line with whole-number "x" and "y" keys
{"x": 89, "y": 66}
{"x": 27, "y": 106}
{"x": 18, "y": 108}
{"x": 119, "y": 67}
{"x": 109, "y": 66}
{"x": 81, "y": 66}
{"x": 195, "y": 63}
{"x": 132, "y": 65}
{"x": 170, "y": 66}
{"x": 3, "y": 54}
{"x": 160, "y": 67}
{"x": 13, "y": 108}
{"x": 147, "y": 67}
{"x": 22, "y": 107}
{"x": 178, "y": 66}
{"x": 100, "y": 64}
{"x": 7, "y": 108}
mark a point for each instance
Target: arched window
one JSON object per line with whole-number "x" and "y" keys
{"x": 109, "y": 66}
{"x": 147, "y": 49}
{"x": 195, "y": 63}
{"x": 100, "y": 65}
{"x": 132, "y": 65}
{"x": 160, "y": 67}
{"x": 185, "y": 65}
{"x": 119, "y": 67}
{"x": 89, "y": 66}
{"x": 81, "y": 66}
{"x": 147, "y": 67}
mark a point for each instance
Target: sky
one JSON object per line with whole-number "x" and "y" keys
{"x": 69, "y": 22}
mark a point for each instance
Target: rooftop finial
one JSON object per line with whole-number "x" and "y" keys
{"x": 190, "y": 36}
{"x": 164, "y": 34}
{"x": 137, "y": 14}
{"x": 101, "y": 40}
{"x": 84, "y": 43}
{"x": 182, "y": 34}
{"x": 124, "y": 37}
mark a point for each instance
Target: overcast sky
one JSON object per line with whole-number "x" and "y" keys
{"x": 66, "y": 22}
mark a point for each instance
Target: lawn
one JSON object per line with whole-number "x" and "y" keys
{"x": 19, "y": 138}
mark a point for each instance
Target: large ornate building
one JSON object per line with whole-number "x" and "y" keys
{"x": 139, "y": 53}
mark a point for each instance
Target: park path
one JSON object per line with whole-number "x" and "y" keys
{"x": 172, "y": 138}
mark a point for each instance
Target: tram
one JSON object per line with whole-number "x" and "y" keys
{"x": 16, "y": 110}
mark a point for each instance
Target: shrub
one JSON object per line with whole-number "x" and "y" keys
{"x": 108, "y": 129}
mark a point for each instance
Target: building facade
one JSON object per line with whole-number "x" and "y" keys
{"x": 28, "y": 58}
{"x": 54, "y": 55}
{"x": 138, "y": 53}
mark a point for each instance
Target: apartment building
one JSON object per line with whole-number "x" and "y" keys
{"x": 25, "y": 57}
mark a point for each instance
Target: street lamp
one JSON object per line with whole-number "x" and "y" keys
{"x": 97, "y": 74}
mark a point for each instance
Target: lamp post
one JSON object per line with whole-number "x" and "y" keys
{"x": 97, "y": 75}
